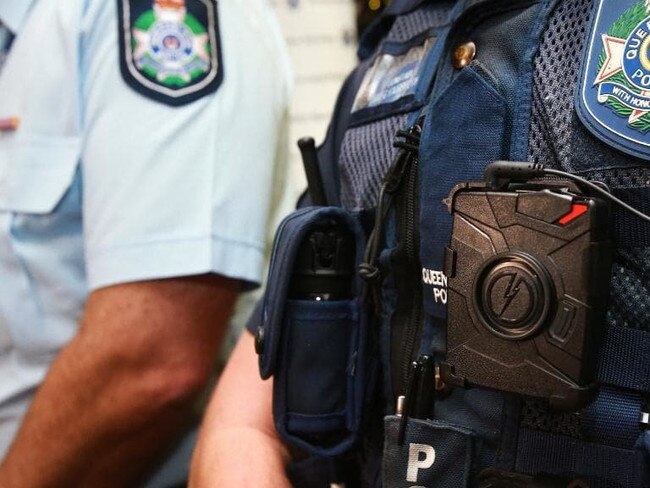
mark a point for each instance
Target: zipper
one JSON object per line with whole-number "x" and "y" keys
{"x": 399, "y": 189}
{"x": 407, "y": 321}
{"x": 391, "y": 186}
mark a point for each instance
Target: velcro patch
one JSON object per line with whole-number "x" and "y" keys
{"x": 613, "y": 100}
{"x": 170, "y": 49}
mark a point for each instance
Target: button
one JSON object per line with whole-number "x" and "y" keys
{"x": 464, "y": 54}
{"x": 513, "y": 295}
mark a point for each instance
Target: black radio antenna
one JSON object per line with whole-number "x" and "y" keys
{"x": 307, "y": 148}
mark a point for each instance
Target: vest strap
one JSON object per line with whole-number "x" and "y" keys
{"x": 625, "y": 359}
{"x": 613, "y": 418}
{"x": 543, "y": 452}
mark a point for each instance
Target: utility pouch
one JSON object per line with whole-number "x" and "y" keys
{"x": 313, "y": 333}
{"x": 433, "y": 453}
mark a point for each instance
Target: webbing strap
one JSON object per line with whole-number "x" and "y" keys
{"x": 601, "y": 466}
{"x": 613, "y": 418}
{"x": 625, "y": 359}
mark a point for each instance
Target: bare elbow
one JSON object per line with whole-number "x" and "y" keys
{"x": 158, "y": 381}
{"x": 169, "y": 386}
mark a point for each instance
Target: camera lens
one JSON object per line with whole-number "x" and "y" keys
{"x": 512, "y": 295}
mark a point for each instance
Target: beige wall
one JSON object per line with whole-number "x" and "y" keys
{"x": 321, "y": 36}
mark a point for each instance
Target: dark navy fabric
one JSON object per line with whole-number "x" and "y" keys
{"x": 601, "y": 466}
{"x": 613, "y": 418}
{"x": 316, "y": 350}
{"x": 625, "y": 359}
{"x": 424, "y": 21}
{"x": 312, "y": 472}
{"x": 488, "y": 414}
{"x": 432, "y": 454}
{"x": 559, "y": 139}
{"x": 514, "y": 100}
{"x": 276, "y": 296}
{"x": 455, "y": 148}
{"x": 317, "y": 333}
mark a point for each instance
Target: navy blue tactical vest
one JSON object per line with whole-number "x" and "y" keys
{"x": 489, "y": 80}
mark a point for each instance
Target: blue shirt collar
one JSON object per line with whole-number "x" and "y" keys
{"x": 13, "y": 13}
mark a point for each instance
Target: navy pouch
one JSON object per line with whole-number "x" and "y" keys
{"x": 315, "y": 349}
{"x": 434, "y": 453}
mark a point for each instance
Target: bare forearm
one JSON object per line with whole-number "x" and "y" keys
{"x": 85, "y": 422}
{"x": 123, "y": 387}
{"x": 238, "y": 445}
{"x": 239, "y": 456}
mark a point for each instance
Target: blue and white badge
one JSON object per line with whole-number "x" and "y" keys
{"x": 613, "y": 99}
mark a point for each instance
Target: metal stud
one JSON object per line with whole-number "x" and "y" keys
{"x": 464, "y": 54}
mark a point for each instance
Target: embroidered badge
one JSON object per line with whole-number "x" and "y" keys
{"x": 614, "y": 95}
{"x": 170, "y": 49}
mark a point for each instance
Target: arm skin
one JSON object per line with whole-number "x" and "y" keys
{"x": 238, "y": 444}
{"x": 122, "y": 389}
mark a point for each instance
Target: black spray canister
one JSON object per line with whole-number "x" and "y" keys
{"x": 324, "y": 267}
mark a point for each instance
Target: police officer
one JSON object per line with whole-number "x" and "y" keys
{"x": 562, "y": 83}
{"x": 137, "y": 146}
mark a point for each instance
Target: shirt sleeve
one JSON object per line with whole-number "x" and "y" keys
{"x": 172, "y": 191}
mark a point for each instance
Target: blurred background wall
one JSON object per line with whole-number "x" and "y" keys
{"x": 322, "y": 39}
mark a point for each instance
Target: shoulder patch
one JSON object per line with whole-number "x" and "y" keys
{"x": 170, "y": 49}
{"x": 613, "y": 99}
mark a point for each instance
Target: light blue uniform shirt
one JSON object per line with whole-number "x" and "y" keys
{"x": 166, "y": 191}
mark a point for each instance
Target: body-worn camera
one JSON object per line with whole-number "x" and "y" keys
{"x": 528, "y": 270}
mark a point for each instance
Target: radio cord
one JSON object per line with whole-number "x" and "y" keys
{"x": 601, "y": 191}
{"x": 501, "y": 173}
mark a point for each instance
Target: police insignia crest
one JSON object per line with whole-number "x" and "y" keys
{"x": 613, "y": 100}
{"x": 170, "y": 49}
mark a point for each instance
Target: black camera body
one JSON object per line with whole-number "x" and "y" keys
{"x": 528, "y": 270}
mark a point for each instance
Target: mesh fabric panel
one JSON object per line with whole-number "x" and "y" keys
{"x": 366, "y": 154}
{"x": 630, "y": 289}
{"x": 407, "y": 26}
{"x": 556, "y": 73}
{"x": 367, "y": 150}
{"x": 622, "y": 177}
